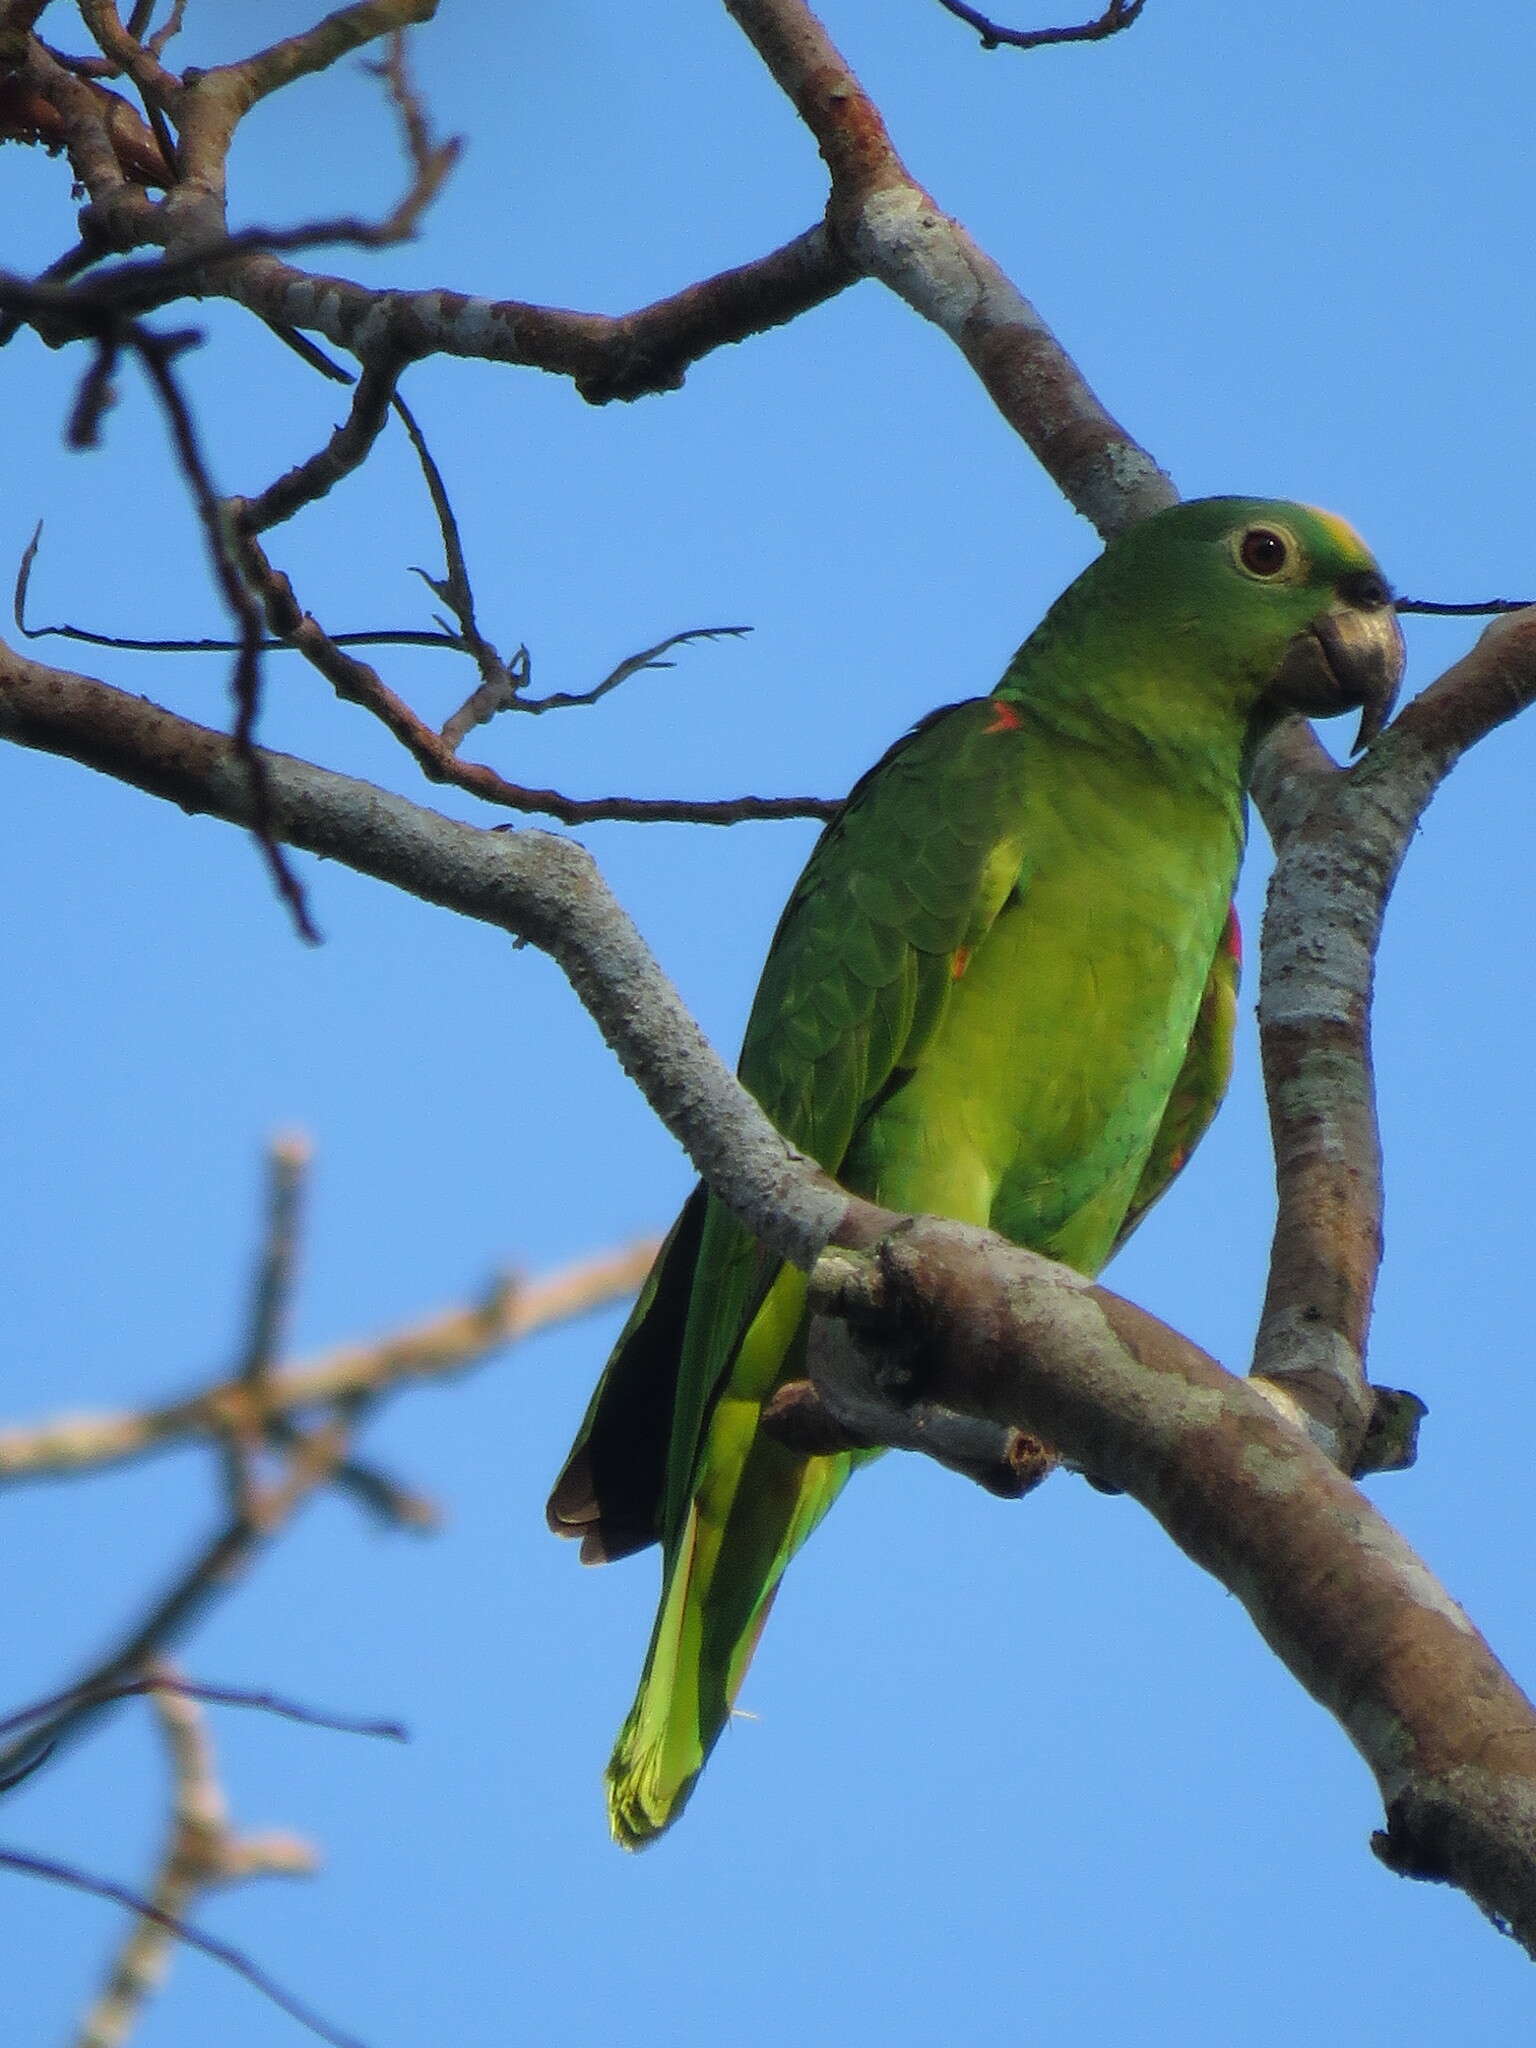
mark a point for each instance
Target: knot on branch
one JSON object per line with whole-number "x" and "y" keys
{"x": 1392, "y": 1434}
{"x": 1408, "y": 1844}
{"x": 879, "y": 1340}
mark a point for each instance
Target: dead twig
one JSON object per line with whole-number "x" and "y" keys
{"x": 75, "y": 1879}
{"x": 453, "y": 1341}
{"x": 202, "y": 1853}
{"x": 158, "y": 353}
{"x": 347, "y": 449}
{"x": 242, "y": 1438}
{"x": 357, "y": 683}
{"x": 163, "y": 1679}
{"x": 1118, "y": 15}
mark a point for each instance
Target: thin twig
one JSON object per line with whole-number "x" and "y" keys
{"x": 632, "y": 665}
{"x": 287, "y": 1165}
{"x": 1118, "y": 15}
{"x": 500, "y": 680}
{"x": 212, "y": 1572}
{"x": 158, "y": 352}
{"x": 346, "y": 450}
{"x": 202, "y": 1853}
{"x": 453, "y": 1341}
{"x": 164, "y": 1680}
{"x": 224, "y": 1952}
{"x": 1488, "y": 607}
{"x": 241, "y": 1439}
{"x": 357, "y": 683}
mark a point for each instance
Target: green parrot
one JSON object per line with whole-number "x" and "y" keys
{"x": 1003, "y": 991}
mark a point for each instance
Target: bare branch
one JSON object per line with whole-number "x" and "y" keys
{"x": 880, "y": 223}
{"x": 162, "y": 1679}
{"x": 157, "y": 352}
{"x": 169, "y": 29}
{"x": 1340, "y": 840}
{"x": 316, "y": 49}
{"x": 1119, "y": 14}
{"x": 241, "y": 1436}
{"x": 500, "y": 680}
{"x": 347, "y": 449}
{"x": 501, "y": 692}
{"x": 632, "y": 665}
{"x": 1334, "y": 1591}
{"x": 287, "y": 1165}
{"x": 65, "y": 109}
{"x": 54, "y": 1872}
{"x": 453, "y": 1341}
{"x": 212, "y": 1573}
{"x": 529, "y": 884}
{"x": 356, "y": 683}
{"x": 202, "y": 1853}
{"x": 894, "y": 231}
{"x": 1481, "y": 609}
{"x": 607, "y": 357}
{"x": 121, "y": 46}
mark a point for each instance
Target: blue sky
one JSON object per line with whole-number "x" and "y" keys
{"x": 1019, "y": 1769}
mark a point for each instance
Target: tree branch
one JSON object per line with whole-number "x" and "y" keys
{"x": 894, "y": 230}
{"x": 1020, "y": 1342}
{"x": 1339, "y": 1597}
{"x": 535, "y": 887}
{"x": 1118, "y": 15}
{"x": 1340, "y": 837}
{"x": 607, "y": 357}
{"x": 202, "y": 1853}
{"x": 444, "y": 1344}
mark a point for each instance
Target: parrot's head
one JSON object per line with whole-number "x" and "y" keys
{"x": 1347, "y": 655}
{"x": 1279, "y": 603}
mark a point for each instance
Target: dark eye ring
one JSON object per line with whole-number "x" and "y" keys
{"x": 1263, "y": 552}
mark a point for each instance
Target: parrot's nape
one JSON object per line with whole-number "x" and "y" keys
{"x": 1002, "y": 991}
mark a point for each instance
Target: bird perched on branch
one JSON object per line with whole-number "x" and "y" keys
{"x": 1002, "y": 991}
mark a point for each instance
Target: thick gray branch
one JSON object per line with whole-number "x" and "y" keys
{"x": 1335, "y": 1592}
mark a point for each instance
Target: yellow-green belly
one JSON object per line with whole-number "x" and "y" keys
{"x": 1037, "y": 1101}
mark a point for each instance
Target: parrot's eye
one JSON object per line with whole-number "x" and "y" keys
{"x": 1263, "y": 552}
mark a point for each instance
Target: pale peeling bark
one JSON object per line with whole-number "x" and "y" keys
{"x": 1340, "y": 838}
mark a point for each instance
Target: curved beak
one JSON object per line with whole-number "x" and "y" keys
{"x": 1349, "y": 658}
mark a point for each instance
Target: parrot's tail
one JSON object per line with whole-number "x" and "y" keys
{"x": 720, "y": 1583}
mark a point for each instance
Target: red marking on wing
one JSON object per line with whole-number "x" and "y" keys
{"x": 1177, "y": 1158}
{"x": 1004, "y": 718}
{"x": 1232, "y": 937}
{"x": 960, "y": 961}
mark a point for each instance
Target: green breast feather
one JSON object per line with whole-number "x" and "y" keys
{"x": 1002, "y": 990}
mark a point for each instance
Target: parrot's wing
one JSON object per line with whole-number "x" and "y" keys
{"x": 901, "y": 888}
{"x": 909, "y": 876}
{"x": 610, "y": 1485}
{"x": 1201, "y": 1084}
